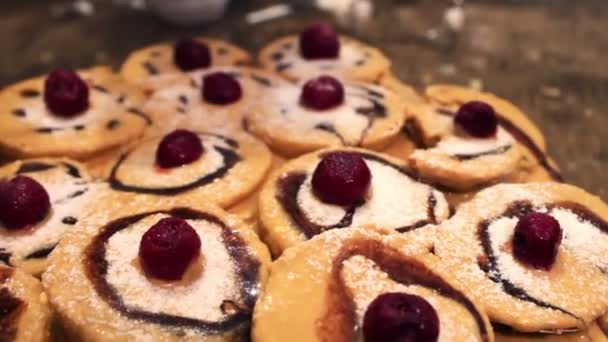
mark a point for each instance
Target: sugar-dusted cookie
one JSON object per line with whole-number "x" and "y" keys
{"x": 153, "y": 62}
{"x": 362, "y": 285}
{"x": 203, "y": 167}
{"x": 320, "y": 50}
{"x": 325, "y": 112}
{"x": 145, "y": 269}
{"x": 69, "y": 114}
{"x": 344, "y": 188}
{"x": 213, "y": 97}
{"x": 533, "y": 255}
{"x": 40, "y": 200}
{"x": 24, "y": 311}
{"x": 471, "y": 139}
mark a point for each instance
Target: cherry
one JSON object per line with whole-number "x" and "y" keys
{"x": 536, "y": 240}
{"x": 23, "y": 202}
{"x": 319, "y": 41}
{"x": 400, "y": 317}
{"x": 178, "y": 148}
{"x": 322, "y": 93}
{"x": 65, "y": 93}
{"x": 221, "y": 89}
{"x": 190, "y": 54}
{"x": 341, "y": 178}
{"x": 167, "y": 248}
{"x": 477, "y": 119}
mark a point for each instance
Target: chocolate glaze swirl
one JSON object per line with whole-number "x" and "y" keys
{"x": 289, "y": 185}
{"x": 246, "y": 264}
{"x": 338, "y": 324}
{"x": 10, "y": 308}
{"x": 517, "y": 209}
{"x": 229, "y": 159}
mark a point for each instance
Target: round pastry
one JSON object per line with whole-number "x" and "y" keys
{"x": 362, "y": 285}
{"x": 195, "y": 276}
{"x": 592, "y": 333}
{"x": 24, "y": 311}
{"x": 532, "y": 254}
{"x": 219, "y": 168}
{"x": 343, "y": 188}
{"x": 324, "y": 112}
{"x": 69, "y": 114}
{"x": 40, "y": 200}
{"x": 149, "y": 64}
{"x": 320, "y": 50}
{"x": 213, "y": 97}
{"x": 470, "y": 139}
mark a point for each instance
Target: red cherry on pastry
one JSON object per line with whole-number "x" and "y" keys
{"x": 167, "y": 249}
{"x": 178, "y": 148}
{"x": 319, "y": 41}
{"x": 322, "y": 93}
{"x": 477, "y": 119}
{"x": 341, "y": 178}
{"x": 65, "y": 93}
{"x": 221, "y": 89}
{"x": 536, "y": 240}
{"x": 400, "y": 317}
{"x": 189, "y": 54}
{"x": 23, "y": 202}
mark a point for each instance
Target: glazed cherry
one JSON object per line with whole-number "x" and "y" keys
{"x": 341, "y": 178}
{"x": 322, "y": 93}
{"x": 178, "y": 148}
{"x": 23, "y": 202}
{"x": 220, "y": 88}
{"x": 167, "y": 249}
{"x": 319, "y": 41}
{"x": 65, "y": 93}
{"x": 400, "y": 317}
{"x": 189, "y": 54}
{"x": 536, "y": 240}
{"x": 477, "y": 119}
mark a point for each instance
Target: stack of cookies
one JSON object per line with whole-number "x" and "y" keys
{"x": 197, "y": 196}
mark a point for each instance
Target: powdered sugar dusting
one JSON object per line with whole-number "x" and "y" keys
{"x": 394, "y": 201}
{"x": 199, "y": 300}
{"x": 366, "y": 281}
{"x": 459, "y": 145}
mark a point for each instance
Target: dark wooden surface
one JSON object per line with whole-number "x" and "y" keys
{"x": 549, "y": 57}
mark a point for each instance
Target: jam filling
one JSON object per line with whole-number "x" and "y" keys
{"x": 519, "y": 209}
{"x": 287, "y": 194}
{"x": 230, "y": 159}
{"x": 339, "y": 322}
{"x": 246, "y": 266}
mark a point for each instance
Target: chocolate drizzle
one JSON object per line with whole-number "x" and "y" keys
{"x": 329, "y": 128}
{"x": 470, "y": 156}
{"x": 289, "y": 185}
{"x": 34, "y": 167}
{"x": 517, "y": 209}
{"x": 229, "y": 159}
{"x": 150, "y": 68}
{"x": 246, "y": 265}
{"x": 41, "y": 253}
{"x": 339, "y": 321}
{"x": 141, "y": 114}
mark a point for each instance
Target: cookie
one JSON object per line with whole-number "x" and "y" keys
{"x": 592, "y": 333}
{"x": 73, "y": 115}
{"x": 325, "y": 112}
{"x": 470, "y": 140}
{"x": 346, "y": 58}
{"x": 225, "y": 167}
{"x": 152, "y": 63}
{"x": 296, "y": 204}
{"x": 27, "y": 243}
{"x": 24, "y": 311}
{"x": 328, "y": 289}
{"x": 531, "y": 254}
{"x": 185, "y": 102}
{"x": 105, "y": 288}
